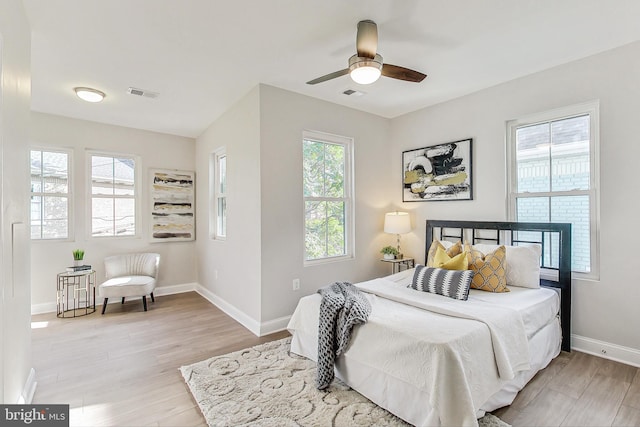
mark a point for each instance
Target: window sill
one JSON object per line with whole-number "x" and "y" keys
{"x": 329, "y": 260}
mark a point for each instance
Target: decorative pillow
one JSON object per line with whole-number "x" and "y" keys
{"x": 523, "y": 264}
{"x": 490, "y": 269}
{"x": 458, "y": 262}
{"x": 449, "y": 283}
{"x": 450, "y": 248}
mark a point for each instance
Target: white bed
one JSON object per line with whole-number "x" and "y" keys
{"x": 439, "y": 367}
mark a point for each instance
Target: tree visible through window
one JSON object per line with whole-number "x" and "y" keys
{"x": 327, "y": 196}
{"x": 49, "y": 195}
{"x": 113, "y": 196}
{"x": 554, "y": 180}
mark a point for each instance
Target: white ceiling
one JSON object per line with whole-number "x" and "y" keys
{"x": 201, "y": 56}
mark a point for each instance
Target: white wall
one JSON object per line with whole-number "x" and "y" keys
{"x": 155, "y": 150}
{"x": 263, "y": 251}
{"x": 603, "y": 310}
{"x": 235, "y": 261}
{"x": 15, "y": 93}
{"x": 283, "y": 117}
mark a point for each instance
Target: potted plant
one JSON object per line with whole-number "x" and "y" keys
{"x": 389, "y": 252}
{"x": 78, "y": 256}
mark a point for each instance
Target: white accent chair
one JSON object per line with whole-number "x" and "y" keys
{"x": 130, "y": 275}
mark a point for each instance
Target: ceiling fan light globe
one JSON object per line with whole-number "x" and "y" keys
{"x": 365, "y": 71}
{"x": 365, "y": 75}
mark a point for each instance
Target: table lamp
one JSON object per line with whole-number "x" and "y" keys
{"x": 397, "y": 223}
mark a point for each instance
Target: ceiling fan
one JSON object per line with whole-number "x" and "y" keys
{"x": 366, "y": 66}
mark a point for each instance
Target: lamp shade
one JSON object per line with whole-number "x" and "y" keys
{"x": 397, "y": 223}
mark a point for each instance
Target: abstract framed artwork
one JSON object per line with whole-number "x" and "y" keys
{"x": 172, "y": 205}
{"x": 438, "y": 172}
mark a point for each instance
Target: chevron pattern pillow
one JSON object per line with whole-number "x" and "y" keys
{"x": 449, "y": 283}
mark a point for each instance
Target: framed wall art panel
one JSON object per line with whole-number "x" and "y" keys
{"x": 172, "y": 205}
{"x": 438, "y": 172}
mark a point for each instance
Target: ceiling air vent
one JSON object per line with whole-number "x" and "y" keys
{"x": 142, "y": 92}
{"x": 351, "y": 92}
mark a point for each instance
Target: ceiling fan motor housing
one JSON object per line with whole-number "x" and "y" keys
{"x": 359, "y": 61}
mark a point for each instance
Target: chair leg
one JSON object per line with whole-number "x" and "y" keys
{"x": 122, "y": 300}
{"x": 144, "y": 302}
{"x": 104, "y": 305}
{"x": 152, "y": 298}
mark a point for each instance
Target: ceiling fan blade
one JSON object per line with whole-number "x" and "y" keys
{"x": 328, "y": 77}
{"x": 402, "y": 73}
{"x": 367, "y": 39}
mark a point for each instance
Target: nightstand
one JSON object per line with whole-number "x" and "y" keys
{"x": 396, "y": 264}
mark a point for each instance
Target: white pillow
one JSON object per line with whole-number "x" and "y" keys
{"x": 523, "y": 263}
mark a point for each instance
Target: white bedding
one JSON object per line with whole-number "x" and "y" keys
{"x": 405, "y": 357}
{"x": 536, "y": 306}
{"x": 508, "y": 337}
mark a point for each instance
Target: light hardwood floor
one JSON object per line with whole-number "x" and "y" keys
{"x": 121, "y": 369}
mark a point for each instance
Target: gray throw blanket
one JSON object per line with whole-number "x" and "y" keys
{"x": 343, "y": 306}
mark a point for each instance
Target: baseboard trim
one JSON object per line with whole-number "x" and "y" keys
{"x": 50, "y": 307}
{"x": 257, "y": 328}
{"x": 275, "y": 325}
{"x": 175, "y": 289}
{"x": 29, "y": 389}
{"x": 617, "y": 353}
{"x": 238, "y": 315}
{"x": 45, "y": 307}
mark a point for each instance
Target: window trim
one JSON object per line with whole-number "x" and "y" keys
{"x": 137, "y": 185}
{"x": 70, "y": 199}
{"x": 592, "y": 108}
{"x": 215, "y": 194}
{"x": 349, "y": 197}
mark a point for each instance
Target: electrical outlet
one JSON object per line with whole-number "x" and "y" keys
{"x": 296, "y": 284}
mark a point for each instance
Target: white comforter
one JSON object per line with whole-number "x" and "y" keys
{"x": 459, "y": 353}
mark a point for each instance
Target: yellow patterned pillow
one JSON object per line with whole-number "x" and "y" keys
{"x": 458, "y": 262}
{"x": 490, "y": 269}
{"x": 452, "y": 251}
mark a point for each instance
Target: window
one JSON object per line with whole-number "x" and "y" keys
{"x": 50, "y": 195}
{"x": 113, "y": 195}
{"x": 327, "y": 186}
{"x": 553, "y": 162}
{"x": 218, "y": 172}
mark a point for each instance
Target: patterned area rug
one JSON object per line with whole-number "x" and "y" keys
{"x": 267, "y": 386}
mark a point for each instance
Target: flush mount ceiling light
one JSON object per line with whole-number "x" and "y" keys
{"x": 88, "y": 94}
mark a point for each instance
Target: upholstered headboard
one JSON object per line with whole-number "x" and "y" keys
{"x": 555, "y": 239}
